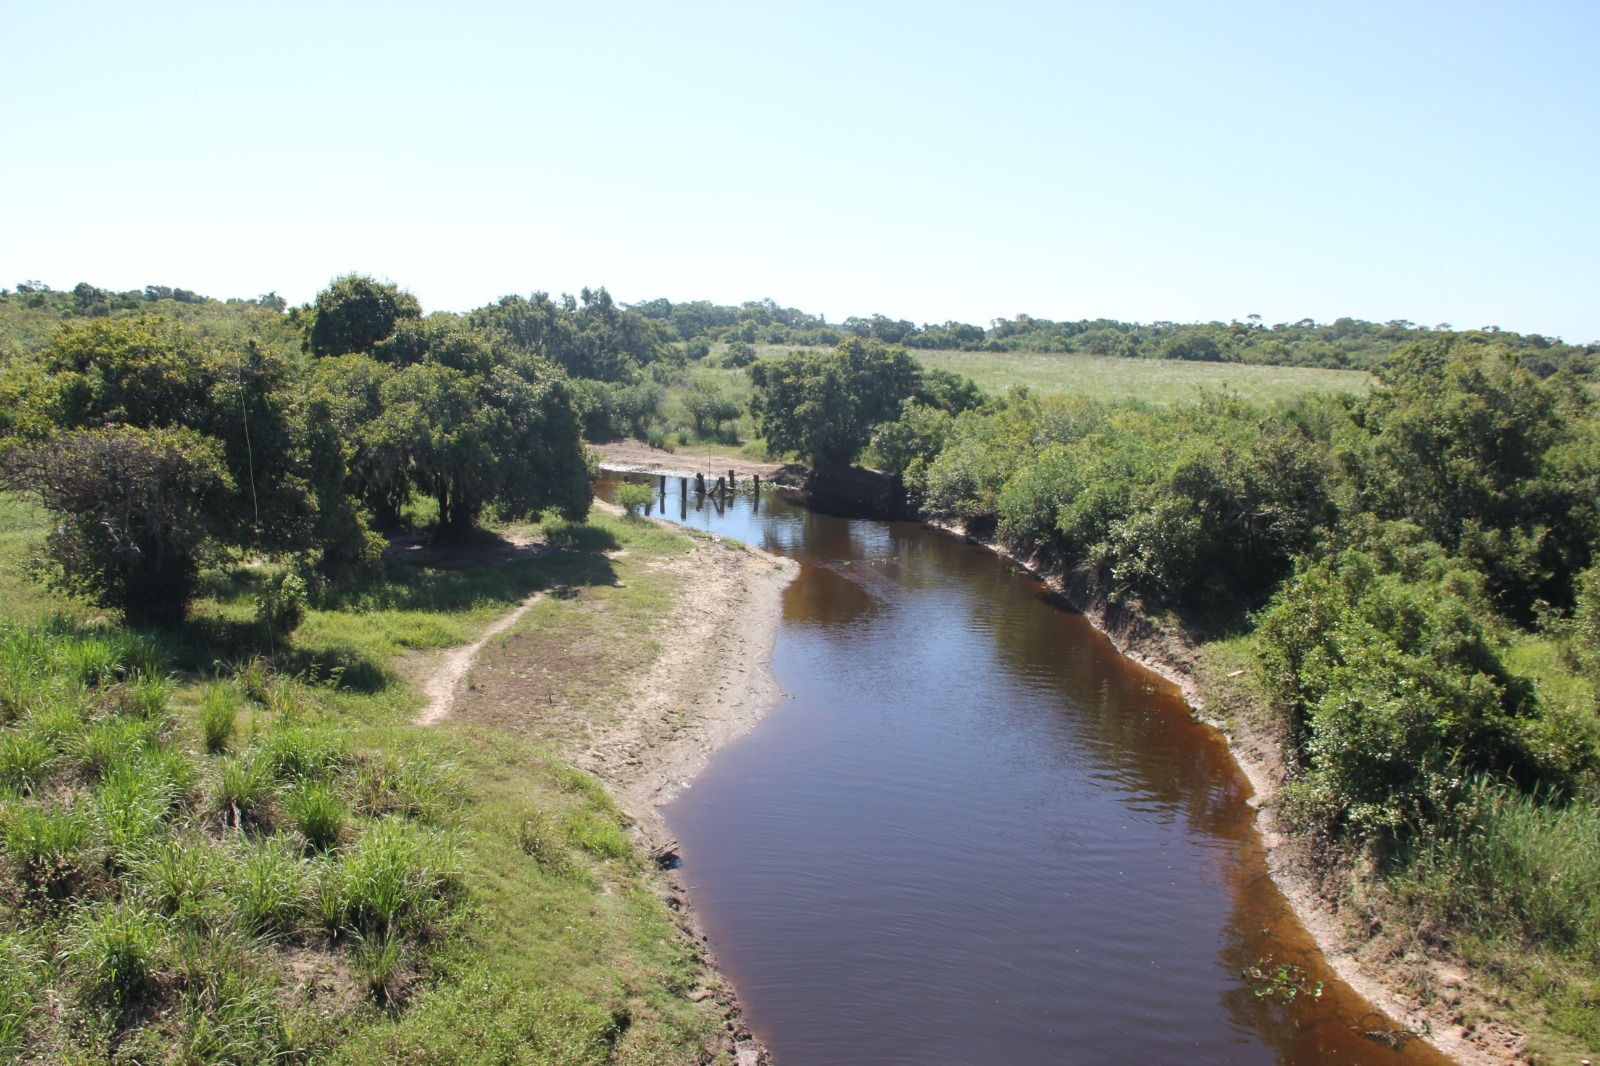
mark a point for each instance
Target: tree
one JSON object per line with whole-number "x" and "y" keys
{"x": 1463, "y": 441}
{"x": 355, "y": 312}
{"x": 511, "y": 437}
{"x": 134, "y": 510}
{"x": 825, "y": 405}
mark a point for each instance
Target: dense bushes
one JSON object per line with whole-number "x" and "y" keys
{"x": 158, "y": 447}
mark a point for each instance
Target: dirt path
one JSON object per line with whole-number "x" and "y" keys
{"x": 444, "y": 677}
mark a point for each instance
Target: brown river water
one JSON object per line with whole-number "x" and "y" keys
{"x": 971, "y": 832}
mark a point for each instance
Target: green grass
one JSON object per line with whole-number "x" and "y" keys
{"x": 1162, "y": 381}
{"x": 193, "y": 865}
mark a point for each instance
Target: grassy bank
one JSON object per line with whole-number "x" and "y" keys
{"x": 222, "y": 848}
{"x": 1162, "y": 381}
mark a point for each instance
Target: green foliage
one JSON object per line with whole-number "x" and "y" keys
{"x": 135, "y": 509}
{"x": 825, "y": 406}
{"x": 634, "y": 498}
{"x": 219, "y": 713}
{"x": 1463, "y": 442}
{"x": 1393, "y": 689}
{"x": 355, "y": 313}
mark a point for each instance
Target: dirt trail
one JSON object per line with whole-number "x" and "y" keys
{"x": 444, "y": 678}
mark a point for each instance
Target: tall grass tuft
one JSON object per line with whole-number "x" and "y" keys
{"x": 109, "y": 742}
{"x": 317, "y": 813}
{"x": 396, "y": 878}
{"x": 26, "y": 759}
{"x": 219, "y": 714}
{"x": 268, "y": 890}
{"x": 1514, "y": 863}
{"x": 181, "y": 879}
{"x": 130, "y": 807}
{"x": 145, "y": 697}
{"x": 17, "y": 962}
{"x": 245, "y": 792}
{"x": 115, "y": 951}
{"x": 51, "y": 845}
{"x": 428, "y": 792}
{"x": 377, "y": 966}
{"x": 300, "y": 753}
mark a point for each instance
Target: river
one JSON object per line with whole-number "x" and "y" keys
{"x": 972, "y": 833}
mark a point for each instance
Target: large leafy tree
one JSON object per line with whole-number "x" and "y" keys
{"x": 825, "y": 406}
{"x": 509, "y": 436}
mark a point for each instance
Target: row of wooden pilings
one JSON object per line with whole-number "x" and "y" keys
{"x": 724, "y": 488}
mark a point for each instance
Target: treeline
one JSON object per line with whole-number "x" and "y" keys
{"x": 159, "y": 445}
{"x": 1411, "y": 576}
{"x": 658, "y": 328}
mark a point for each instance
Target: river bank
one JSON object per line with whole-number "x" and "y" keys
{"x": 639, "y": 688}
{"x": 1425, "y": 995}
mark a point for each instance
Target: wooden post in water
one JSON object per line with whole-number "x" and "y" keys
{"x": 717, "y": 489}
{"x": 683, "y": 487}
{"x": 699, "y": 484}
{"x": 663, "y": 486}
{"x": 755, "y": 484}
{"x": 730, "y": 482}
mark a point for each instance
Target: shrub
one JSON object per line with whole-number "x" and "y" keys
{"x": 281, "y": 605}
{"x": 634, "y": 498}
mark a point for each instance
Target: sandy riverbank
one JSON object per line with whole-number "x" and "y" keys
{"x": 706, "y": 679}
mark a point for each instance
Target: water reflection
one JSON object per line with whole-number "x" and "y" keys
{"x": 976, "y": 834}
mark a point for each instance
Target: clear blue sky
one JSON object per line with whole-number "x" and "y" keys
{"x": 1428, "y": 161}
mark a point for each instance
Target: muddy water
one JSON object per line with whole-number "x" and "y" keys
{"x": 972, "y": 833}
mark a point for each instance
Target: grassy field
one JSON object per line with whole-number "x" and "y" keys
{"x": 216, "y": 847}
{"x": 1152, "y": 380}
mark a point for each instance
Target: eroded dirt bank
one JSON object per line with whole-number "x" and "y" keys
{"x": 1382, "y": 966}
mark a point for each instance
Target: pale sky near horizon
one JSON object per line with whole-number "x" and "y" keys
{"x": 1435, "y": 162}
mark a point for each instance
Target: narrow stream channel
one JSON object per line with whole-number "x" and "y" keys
{"x": 973, "y": 833}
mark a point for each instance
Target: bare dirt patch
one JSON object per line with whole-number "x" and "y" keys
{"x": 637, "y": 457}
